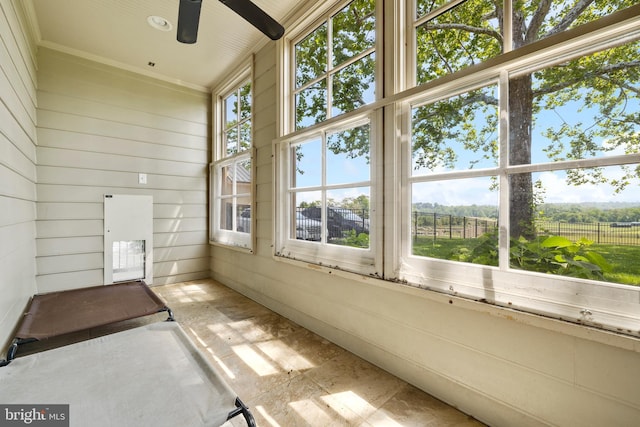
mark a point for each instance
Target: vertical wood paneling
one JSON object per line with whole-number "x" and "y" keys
{"x": 98, "y": 128}
{"x": 17, "y": 168}
{"x": 503, "y": 367}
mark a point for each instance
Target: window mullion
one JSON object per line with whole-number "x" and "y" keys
{"x": 503, "y": 177}
{"x": 323, "y": 215}
{"x": 330, "y": 68}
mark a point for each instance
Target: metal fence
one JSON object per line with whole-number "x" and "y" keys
{"x": 609, "y": 233}
{"x": 339, "y": 221}
{"x": 441, "y": 226}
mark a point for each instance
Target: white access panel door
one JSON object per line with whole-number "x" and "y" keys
{"x": 128, "y": 238}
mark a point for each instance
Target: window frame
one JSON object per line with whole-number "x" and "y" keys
{"x": 364, "y": 261}
{"x": 244, "y": 241}
{"x": 588, "y": 302}
{"x": 608, "y": 306}
{"x": 299, "y": 32}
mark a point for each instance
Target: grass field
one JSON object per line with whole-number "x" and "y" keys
{"x": 623, "y": 258}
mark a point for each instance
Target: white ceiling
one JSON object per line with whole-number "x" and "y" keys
{"x": 116, "y": 32}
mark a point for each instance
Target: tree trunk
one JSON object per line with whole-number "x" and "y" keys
{"x": 521, "y": 209}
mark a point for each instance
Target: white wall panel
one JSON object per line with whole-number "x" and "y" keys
{"x": 17, "y": 168}
{"x": 83, "y": 193}
{"x": 179, "y": 253}
{"x": 66, "y": 263}
{"x": 185, "y": 238}
{"x": 48, "y": 156}
{"x": 12, "y": 157}
{"x": 179, "y": 211}
{"x": 15, "y": 185}
{"x": 117, "y": 133}
{"x": 69, "y": 245}
{"x": 71, "y": 280}
{"x": 47, "y": 229}
{"x": 84, "y": 79}
{"x": 66, "y": 211}
{"x": 98, "y": 129}
{"x": 57, "y": 103}
{"x": 93, "y": 178}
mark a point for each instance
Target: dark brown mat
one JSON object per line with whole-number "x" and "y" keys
{"x": 58, "y": 313}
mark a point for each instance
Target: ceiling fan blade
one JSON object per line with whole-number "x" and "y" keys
{"x": 188, "y": 20}
{"x": 256, "y": 17}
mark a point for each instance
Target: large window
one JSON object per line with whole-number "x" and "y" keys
{"x": 231, "y": 172}
{"x": 328, "y": 178}
{"x": 334, "y": 65}
{"x": 510, "y": 163}
{"x": 328, "y": 197}
{"x": 532, "y": 166}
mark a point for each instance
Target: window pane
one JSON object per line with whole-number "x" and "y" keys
{"x": 128, "y": 260}
{"x": 347, "y": 217}
{"x": 243, "y": 221}
{"x": 226, "y": 214}
{"x": 226, "y": 179}
{"x": 231, "y": 110}
{"x": 586, "y": 108}
{"x": 311, "y": 56}
{"x": 311, "y": 105}
{"x": 560, "y": 16}
{"x": 354, "y": 85}
{"x": 307, "y": 158}
{"x": 243, "y": 177}
{"x": 245, "y": 135}
{"x": 425, "y": 6}
{"x": 353, "y": 30}
{"x": 231, "y": 138}
{"x": 308, "y": 214}
{"x": 465, "y": 35}
{"x": 456, "y": 220}
{"x": 585, "y": 223}
{"x": 348, "y": 156}
{"x": 457, "y": 133}
{"x": 245, "y": 101}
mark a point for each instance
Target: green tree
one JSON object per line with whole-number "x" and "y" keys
{"x": 359, "y": 205}
{"x": 323, "y": 53}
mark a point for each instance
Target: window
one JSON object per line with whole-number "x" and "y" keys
{"x": 453, "y": 36}
{"x": 449, "y": 35}
{"x": 334, "y": 65}
{"x": 128, "y": 260}
{"x": 509, "y": 166}
{"x": 231, "y": 173}
{"x": 328, "y": 197}
{"x": 327, "y": 174}
{"x": 530, "y": 164}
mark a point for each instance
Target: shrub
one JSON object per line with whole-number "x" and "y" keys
{"x": 545, "y": 254}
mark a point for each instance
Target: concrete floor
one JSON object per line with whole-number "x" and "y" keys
{"x": 287, "y": 375}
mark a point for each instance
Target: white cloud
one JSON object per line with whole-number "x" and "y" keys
{"x": 557, "y": 190}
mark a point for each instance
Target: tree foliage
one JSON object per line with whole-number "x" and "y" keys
{"x": 602, "y": 88}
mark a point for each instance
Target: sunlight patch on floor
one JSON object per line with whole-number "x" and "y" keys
{"x": 284, "y": 355}
{"x": 348, "y": 399}
{"x": 250, "y": 331}
{"x": 312, "y": 413}
{"x": 222, "y": 365}
{"x": 268, "y": 418}
{"x": 255, "y": 361}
